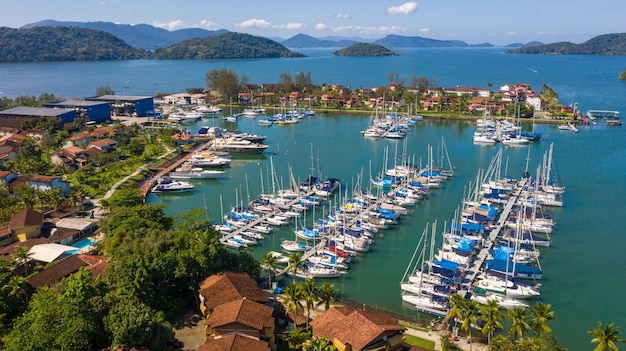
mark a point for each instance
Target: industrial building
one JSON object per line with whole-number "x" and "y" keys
{"x": 94, "y": 111}
{"x": 121, "y": 105}
{"x": 14, "y": 117}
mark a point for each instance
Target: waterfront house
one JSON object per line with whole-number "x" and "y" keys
{"x": 351, "y": 329}
{"x": 245, "y": 317}
{"x": 234, "y": 342}
{"x": 227, "y": 287}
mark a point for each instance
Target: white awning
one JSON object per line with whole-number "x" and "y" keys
{"x": 48, "y": 252}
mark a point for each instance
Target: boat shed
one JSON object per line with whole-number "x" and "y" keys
{"x": 95, "y": 111}
{"x": 14, "y": 117}
{"x": 124, "y": 105}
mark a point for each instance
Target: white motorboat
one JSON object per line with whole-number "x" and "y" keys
{"x": 509, "y": 288}
{"x": 187, "y": 171}
{"x": 239, "y": 146}
{"x": 503, "y": 301}
{"x": 209, "y": 160}
{"x": 167, "y": 185}
{"x": 294, "y": 246}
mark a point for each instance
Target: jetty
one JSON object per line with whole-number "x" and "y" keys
{"x": 149, "y": 184}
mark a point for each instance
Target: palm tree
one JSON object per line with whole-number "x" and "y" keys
{"x": 16, "y": 288}
{"x": 491, "y": 316}
{"x": 295, "y": 260}
{"x": 519, "y": 325}
{"x": 318, "y": 344}
{"x": 541, "y": 315}
{"x": 309, "y": 294}
{"x": 605, "y": 336}
{"x": 456, "y": 303}
{"x": 269, "y": 263}
{"x": 292, "y": 299}
{"x": 327, "y": 294}
{"x": 22, "y": 258}
{"x": 469, "y": 313}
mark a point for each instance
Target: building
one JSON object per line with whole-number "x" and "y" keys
{"x": 350, "y": 329}
{"x": 227, "y": 287}
{"x": 15, "y": 117}
{"x": 140, "y": 106}
{"x": 94, "y": 111}
{"x": 23, "y": 226}
{"x": 245, "y": 317}
{"x": 234, "y": 342}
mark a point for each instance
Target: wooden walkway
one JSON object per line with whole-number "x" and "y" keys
{"x": 149, "y": 184}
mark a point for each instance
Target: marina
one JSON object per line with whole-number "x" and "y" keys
{"x": 584, "y": 256}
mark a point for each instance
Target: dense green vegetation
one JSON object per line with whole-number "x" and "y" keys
{"x": 622, "y": 75}
{"x": 143, "y": 36}
{"x": 607, "y": 44}
{"x": 365, "y": 49}
{"x": 225, "y": 46}
{"x": 44, "y": 44}
{"x": 399, "y": 41}
{"x": 307, "y": 41}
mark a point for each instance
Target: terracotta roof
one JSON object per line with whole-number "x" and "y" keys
{"x": 103, "y": 142}
{"x": 56, "y": 272}
{"x": 26, "y": 218}
{"x": 8, "y": 251}
{"x": 73, "y": 150}
{"x": 340, "y": 323}
{"x": 234, "y": 342}
{"x": 5, "y": 231}
{"x": 97, "y": 264}
{"x": 246, "y": 312}
{"x": 102, "y": 131}
{"x": 226, "y": 287}
{"x": 91, "y": 151}
{"x": 42, "y": 179}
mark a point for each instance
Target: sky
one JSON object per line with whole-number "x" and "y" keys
{"x": 477, "y": 21}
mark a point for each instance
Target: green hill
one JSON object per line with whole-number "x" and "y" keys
{"x": 607, "y": 44}
{"x": 365, "y": 49}
{"x": 225, "y": 46}
{"x": 399, "y": 41}
{"x": 307, "y": 41}
{"x": 142, "y": 36}
{"x": 44, "y": 44}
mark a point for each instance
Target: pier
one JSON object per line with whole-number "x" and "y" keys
{"x": 487, "y": 246}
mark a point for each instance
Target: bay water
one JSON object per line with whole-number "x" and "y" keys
{"x": 583, "y": 269}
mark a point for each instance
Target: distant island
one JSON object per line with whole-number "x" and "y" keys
{"x": 48, "y": 44}
{"x": 365, "y": 49}
{"x": 399, "y": 41}
{"x": 607, "y": 44}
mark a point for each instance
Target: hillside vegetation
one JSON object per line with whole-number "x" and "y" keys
{"x": 607, "y": 44}
{"x": 45, "y": 44}
{"x": 225, "y": 46}
{"x": 365, "y": 49}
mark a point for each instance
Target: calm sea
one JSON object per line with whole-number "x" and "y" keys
{"x": 583, "y": 269}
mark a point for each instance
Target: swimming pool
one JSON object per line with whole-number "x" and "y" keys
{"x": 82, "y": 246}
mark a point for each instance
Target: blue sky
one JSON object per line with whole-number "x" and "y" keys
{"x": 477, "y": 21}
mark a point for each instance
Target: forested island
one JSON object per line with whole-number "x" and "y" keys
{"x": 607, "y": 44}
{"x": 365, "y": 49}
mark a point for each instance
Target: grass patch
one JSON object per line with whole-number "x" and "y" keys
{"x": 419, "y": 342}
{"x": 412, "y": 326}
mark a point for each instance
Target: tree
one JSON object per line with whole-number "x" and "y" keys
{"x": 225, "y": 82}
{"x": 22, "y": 258}
{"x": 605, "y": 336}
{"x": 296, "y": 337}
{"x": 269, "y": 261}
{"x": 309, "y": 294}
{"x": 104, "y": 90}
{"x": 17, "y": 289}
{"x": 292, "y": 299}
{"x": 541, "y": 315}
{"x": 286, "y": 82}
{"x": 318, "y": 344}
{"x": 469, "y": 313}
{"x": 491, "y": 316}
{"x": 519, "y": 325}
{"x": 456, "y": 303}
{"x": 295, "y": 260}
{"x": 303, "y": 82}
{"x": 327, "y": 294}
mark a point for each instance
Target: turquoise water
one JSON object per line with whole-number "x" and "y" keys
{"x": 80, "y": 245}
{"x": 583, "y": 269}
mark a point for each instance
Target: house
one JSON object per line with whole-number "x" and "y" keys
{"x": 106, "y": 144}
{"x": 43, "y": 183}
{"x": 243, "y": 316}
{"x": 10, "y": 146}
{"x": 350, "y": 329}
{"x": 227, "y": 287}
{"x": 234, "y": 342}
{"x": 68, "y": 230}
{"x": 56, "y": 272}
{"x": 70, "y": 158}
{"x": 7, "y": 177}
{"x": 102, "y": 132}
{"x": 24, "y": 225}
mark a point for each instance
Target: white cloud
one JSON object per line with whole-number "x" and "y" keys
{"x": 171, "y": 25}
{"x": 254, "y": 23}
{"x": 321, "y": 26}
{"x": 404, "y": 9}
{"x": 341, "y": 15}
{"x": 294, "y": 25}
{"x": 424, "y": 30}
{"x": 511, "y": 33}
{"x": 206, "y": 24}
{"x": 364, "y": 30}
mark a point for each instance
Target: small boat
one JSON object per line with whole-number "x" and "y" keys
{"x": 294, "y": 246}
{"x": 167, "y": 185}
{"x": 232, "y": 244}
{"x": 279, "y": 257}
{"x": 187, "y": 171}
{"x": 503, "y": 301}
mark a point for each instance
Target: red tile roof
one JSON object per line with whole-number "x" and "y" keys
{"x": 355, "y": 327}
{"x": 246, "y": 312}
{"x": 57, "y": 272}
{"x": 26, "y": 218}
{"x": 226, "y": 287}
{"x": 234, "y": 342}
